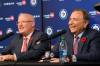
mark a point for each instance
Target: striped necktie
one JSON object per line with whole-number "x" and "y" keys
{"x": 24, "y": 46}
{"x": 75, "y": 45}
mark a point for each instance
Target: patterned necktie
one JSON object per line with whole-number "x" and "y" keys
{"x": 24, "y": 46}
{"x": 75, "y": 45}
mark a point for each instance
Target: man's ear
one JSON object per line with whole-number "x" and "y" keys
{"x": 86, "y": 24}
{"x": 33, "y": 24}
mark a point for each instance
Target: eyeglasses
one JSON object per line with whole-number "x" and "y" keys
{"x": 23, "y": 22}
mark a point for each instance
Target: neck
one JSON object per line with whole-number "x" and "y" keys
{"x": 26, "y": 34}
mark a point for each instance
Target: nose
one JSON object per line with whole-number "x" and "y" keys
{"x": 70, "y": 22}
{"x": 19, "y": 23}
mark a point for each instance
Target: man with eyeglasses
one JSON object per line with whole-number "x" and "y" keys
{"x": 83, "y": 43}
{"x": 25, "y": 46}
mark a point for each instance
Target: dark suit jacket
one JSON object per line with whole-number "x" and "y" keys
{"x": 35, "y": 50}
{"x": 89, "y": 49}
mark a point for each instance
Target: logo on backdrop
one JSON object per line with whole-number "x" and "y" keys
{"x": 8, "y": 3}
{"x": 1, "y": 18}
{"x": 92, "y": 13}
{"x": 63, "y": 14}
{"x": 9, "y": 30}
{"x": 49, "y": 30}
{"x": 1, "y": 33}
{"x": 50, "y": 15}
{"x": 96, "y": 26}
{"x": 10, "y": 18}
{"x": 33, "y": 2}
{"x": 36, "y": 16}
{"x": 21, "y": 3}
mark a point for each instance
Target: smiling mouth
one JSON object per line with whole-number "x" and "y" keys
{"x": 72, "y": 27}
{"x": 21, "y": 28}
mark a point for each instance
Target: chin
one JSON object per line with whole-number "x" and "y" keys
{"x": 21, "y": 32}
{"x": 72, "y": 31}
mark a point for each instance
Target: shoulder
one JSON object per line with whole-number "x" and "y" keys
{"x": 92, "y": 32}
{"x": 16, "y": 36}
{"x": 39, "y": 33}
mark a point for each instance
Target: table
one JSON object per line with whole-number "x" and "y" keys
{"x": 43, "y": 63}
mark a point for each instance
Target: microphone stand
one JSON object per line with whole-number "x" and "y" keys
{"x": 47, "y": 54}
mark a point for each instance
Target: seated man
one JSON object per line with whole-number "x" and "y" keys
{"x": 83, "y": 43}
{"x": 25, "y": 46}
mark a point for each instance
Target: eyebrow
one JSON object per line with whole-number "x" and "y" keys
{"x": 25, "y": 21}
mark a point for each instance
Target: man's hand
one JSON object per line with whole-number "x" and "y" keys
{"x": 2, "y": 57}
{"x": 54, "y": 60}
{"x": 7, "y": 57}
{"x": 71, "y": 59}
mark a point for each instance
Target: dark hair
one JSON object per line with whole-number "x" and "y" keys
{"x": 85, "y": 14}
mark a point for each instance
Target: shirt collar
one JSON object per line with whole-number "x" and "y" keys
{"x": 28, "y": 36}
{"x": 80, "y": 34}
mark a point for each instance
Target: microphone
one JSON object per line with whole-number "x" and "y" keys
{"x": 47, "y": 54}
{"x": 97, "y": 6}
{"x": 3, "y": 37}
{"x": 55, "y": 35}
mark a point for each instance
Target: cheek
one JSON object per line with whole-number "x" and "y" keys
{"x": 80, "y": 26}
{"x": 28, "y": 27}
{"x": 73, "y": 29}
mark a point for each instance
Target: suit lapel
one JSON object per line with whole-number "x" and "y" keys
{"x": 81, "y": 44}
{"x": 20, "y": 42}
{"x": 70, "y": 44}
{"x": 31, "y": 40}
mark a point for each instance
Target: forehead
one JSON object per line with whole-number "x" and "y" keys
{"x": 25, "y": 17}
{"x": 77, "y": 14}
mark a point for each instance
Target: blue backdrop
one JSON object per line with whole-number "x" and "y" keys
{"x": 9, "y": 10}
{"x": 57, "y": 12}
{"x": 51, "y": 15}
